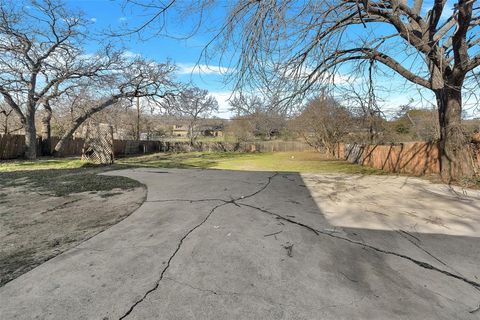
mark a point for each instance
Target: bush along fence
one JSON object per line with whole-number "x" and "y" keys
{"x": 13, "y": 146}
{"x": 414, "y": 158}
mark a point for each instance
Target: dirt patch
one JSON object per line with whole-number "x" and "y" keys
{"x": 36, "y": 226}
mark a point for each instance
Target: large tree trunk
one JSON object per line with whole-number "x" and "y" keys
{"x": 80, "y": 120}
{"x": 137, "y": 135}
{"x": 30, "y": 135}
{"x": 46, "y": 131}
{"x": 456, "y": 156}
{"x": 58, "y": 150}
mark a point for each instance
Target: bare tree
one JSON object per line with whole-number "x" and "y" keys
{"x": 123, "y": 116}
{"x": 298, "y": 46}
{"x": 9, "y": 122}
{"x": 360, "y": 94}
{"x": 306, "y": 43}
{"x": 132, "y": 79}
{"x": 244, "y": 105}
{"x": 192, "y": 105}
{"x": 240, "y": 129}
{"x": 47, "y": 114}
{"x": 262, "y": 114}
{"x": 41, "y": 53}
{"x": 323, "y": 124}
{"x": 418, "y": 124}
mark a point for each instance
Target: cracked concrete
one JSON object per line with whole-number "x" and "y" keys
{"x": 211, "y": 244}
{"x": 225, "y": 202}
{"x": 422, "y": 264}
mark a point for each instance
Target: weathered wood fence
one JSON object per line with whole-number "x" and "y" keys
{"x": 12, "y": 146}
{"x": 414, "y": 158}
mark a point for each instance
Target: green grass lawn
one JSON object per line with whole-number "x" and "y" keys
{"x": 279, "y": 161}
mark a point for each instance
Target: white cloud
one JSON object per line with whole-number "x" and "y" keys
{"x": 93, "y": 19}
{"x": 122, "y": 19}
{"x": 222, "y": 98}
{"x": 131, "y": 55}
{"x": 126, "y": 54}
{"x": 203, "y": 69}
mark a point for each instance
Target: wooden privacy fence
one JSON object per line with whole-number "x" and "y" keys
{"x": 415, "y": 158}
{"x": 12, "y": 146}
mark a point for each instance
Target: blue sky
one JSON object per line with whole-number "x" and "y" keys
{"x": 186, "y": 52}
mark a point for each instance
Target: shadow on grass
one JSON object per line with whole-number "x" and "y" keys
{"x": 176, "y": 160}
{"x": 62, "y": 182}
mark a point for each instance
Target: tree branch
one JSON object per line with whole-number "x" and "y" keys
{"x": 12, "y": 104}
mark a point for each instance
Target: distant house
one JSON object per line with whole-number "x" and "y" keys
{"x": 206, "y": 130}
{"x": 179, "y": 130}
{"x": 212, "y": 130}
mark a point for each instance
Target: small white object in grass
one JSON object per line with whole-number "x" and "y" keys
{"x": 293, "y": 157}
{"x": 216, "y": 227}
{"x": 229, "y": 234}
{"x": 242, "y": 197}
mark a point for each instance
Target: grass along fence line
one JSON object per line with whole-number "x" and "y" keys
{"x": 303, "y": 162}
{"x": 13, "y": 146}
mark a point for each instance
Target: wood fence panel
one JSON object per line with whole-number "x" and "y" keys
{"x": 416, "y": 158}
{"x": 12, "y": 146}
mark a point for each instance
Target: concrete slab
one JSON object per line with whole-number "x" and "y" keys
{"x": 211, "y": 244}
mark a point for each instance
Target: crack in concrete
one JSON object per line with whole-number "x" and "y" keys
{"x": 179, "y": 245}
{"x": 187, "y": 200}
{"x": 190, "y": 286}
{"x": 232, "y": 200}
{"x": 410, "y": 235}
{"x": 259, "y": 190}
{"x": 422, "y": 264}
{"x": 157, "y": 283}
{"x": 347, "y": 277}
{"x": 403, "y": 234}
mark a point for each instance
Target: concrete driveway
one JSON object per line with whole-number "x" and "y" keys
{"x": 213, "y": 244}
